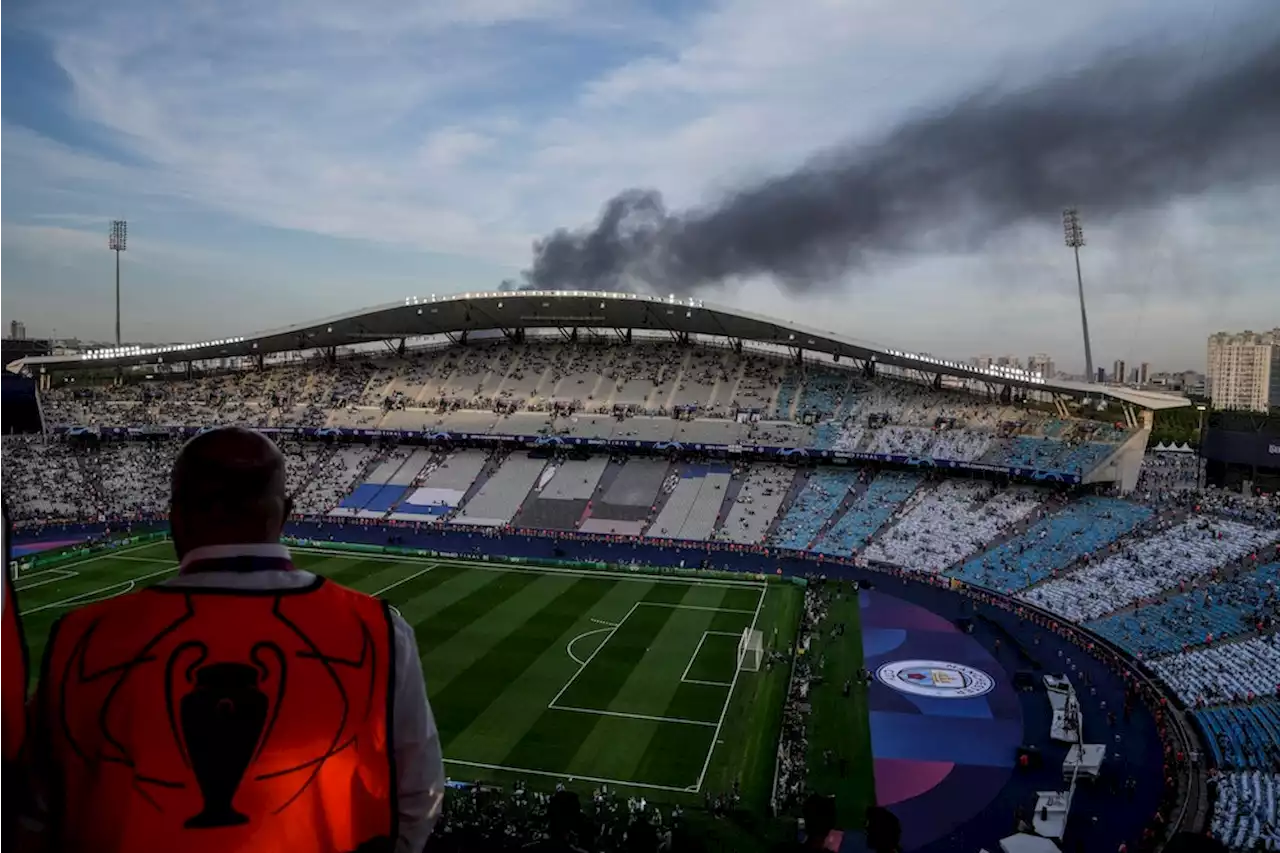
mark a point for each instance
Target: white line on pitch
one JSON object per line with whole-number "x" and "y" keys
{"x": 715, "y": 738}
{"x": 141, "y": 559}
{"x": 402, "y": 580}
{"x": 59, "y": 575}
{"x": 569, "y": 777}
{"x": 645, "y": 577}
{"x": 628, "y": 715}
{"x": 591, "y": 656}
{"x": 695, "y": 607}
{"x": 127, "y": 585}
{"x": 724, "y": 633}
{"x": 107, "y": 554}
{"x": 707, "y": 683}
{"x": 569, "y": 648}
{"x": 603, "y": 622}
{"x": 693, "y": 657}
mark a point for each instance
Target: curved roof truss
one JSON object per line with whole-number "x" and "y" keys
{"x": 418, "y": 316}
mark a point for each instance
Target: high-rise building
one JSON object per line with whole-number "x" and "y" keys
{"x": 1117, "y": 370}
{"x": 1040, "y": 363}
{"x": 982, "y": 362}
{"x": 1144, "y": 373}
{"x": 17, "y": 330}
{"x": 1244, "y": 370}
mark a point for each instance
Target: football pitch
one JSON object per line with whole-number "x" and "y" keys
{"x": 623, "y": 678}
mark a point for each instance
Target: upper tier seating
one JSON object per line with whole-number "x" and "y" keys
{"x": 1053, "y": 543}
{"x": 1144, "y": 568}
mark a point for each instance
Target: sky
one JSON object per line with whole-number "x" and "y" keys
{"x": 282, "y": 161}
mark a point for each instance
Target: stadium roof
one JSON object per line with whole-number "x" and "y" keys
{"x": 418, "y": 316}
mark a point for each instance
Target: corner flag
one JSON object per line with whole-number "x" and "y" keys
{"x": 13, "y": 653}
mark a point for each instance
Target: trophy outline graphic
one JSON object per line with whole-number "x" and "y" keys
{"x": 222, "y": 723}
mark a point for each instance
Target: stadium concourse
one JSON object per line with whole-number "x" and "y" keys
{"x": 985, "y": 560}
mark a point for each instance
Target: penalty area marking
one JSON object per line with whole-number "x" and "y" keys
{"x": 627, "y": 715}
{"x": 715, "y": 738}
{"x": 58, "y": 575}
{"x": 84, "y": 598}
{"x": 676, "y": 606}
{"x": 569, "y": 648}
{"x": 684, "y": 676}
{"x": 386, "y": 589}
{"x": 591, "y": 656}
{"x": 568, "y": 777}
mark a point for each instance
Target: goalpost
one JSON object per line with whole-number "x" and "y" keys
{"x": 750, "y": 650}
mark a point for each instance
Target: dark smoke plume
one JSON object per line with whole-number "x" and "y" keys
{"x": 1127, "y": 134}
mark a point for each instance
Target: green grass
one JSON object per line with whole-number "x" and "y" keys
{"x": 545, "y": 674}
{"x": 838, "y": 723}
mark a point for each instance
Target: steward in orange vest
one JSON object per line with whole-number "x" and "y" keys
{"x": 13, "y": 694}
{"x": 182, "y": 719}
{"x": 241, "y": 707}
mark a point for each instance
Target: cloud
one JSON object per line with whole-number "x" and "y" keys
{"x": 436, "y": 132}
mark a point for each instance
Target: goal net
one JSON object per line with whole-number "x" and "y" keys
{"x": 750, "y": 650}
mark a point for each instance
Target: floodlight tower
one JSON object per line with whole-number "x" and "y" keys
{"x": 117, "y": 242}
{"x": 1074, "y": 236}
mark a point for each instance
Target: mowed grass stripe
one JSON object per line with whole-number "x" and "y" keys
{"x": 649, "y": 688}
{"x": 556, "y": 738}
{"x": 364, "y": 575}
{"x": 107, "y": 579}
{"x": 486, "y": 681}
{"x": 495, "y": 731}
{"x": 445, "y": 622}
{"x": 459, "y": 654}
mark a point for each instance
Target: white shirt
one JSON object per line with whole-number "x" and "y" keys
{"x": 419, "y": 764}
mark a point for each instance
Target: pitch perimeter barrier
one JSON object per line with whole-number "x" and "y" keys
{"x": 51, "y": 560}
{"x": 576, "y": 565}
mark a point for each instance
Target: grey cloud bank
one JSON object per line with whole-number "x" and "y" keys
{"x": 1135, "y": 130}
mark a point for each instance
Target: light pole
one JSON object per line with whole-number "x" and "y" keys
{"x": 117, "y": 242}
{"x": 1074, "y": 236}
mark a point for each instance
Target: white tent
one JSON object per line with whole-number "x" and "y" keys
{"x": 1026, "y": 843}
{"x": 1161, "y": 447}
{"x": 1183, "y": 448}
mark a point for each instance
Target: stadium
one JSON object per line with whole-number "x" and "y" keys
{"x": 697, "y": 564}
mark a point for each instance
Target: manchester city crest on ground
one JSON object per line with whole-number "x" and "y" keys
{"x": 935, "y": 678}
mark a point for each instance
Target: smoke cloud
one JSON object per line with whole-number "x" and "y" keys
{"x": 1130, "y": 132}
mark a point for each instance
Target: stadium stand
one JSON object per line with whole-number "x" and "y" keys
{"x": 1229, "y": 672}
{"x": 868, "y": 511}
{"x": 1247, "y": 812}
{"x": 599, "y": 390}
{"x": 757, "y": 504}
{"x": 1053, "y": 543}
{"x": 952, "y": 521}
{"x": 822, "y": 496}
{"x": 1217, "y": 611}
{"x": 503, "y": 493}
{"x": 1244, "y": 737}
{"x": 1179, "y": 554}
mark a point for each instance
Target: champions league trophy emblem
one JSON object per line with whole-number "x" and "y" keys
{"x": 221, "y": 724}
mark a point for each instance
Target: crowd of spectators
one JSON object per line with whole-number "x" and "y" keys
{"x": 493, "y": 819}
{"x": 1246, "y": 813}
{"x": 793, "y": 743}
{"x": 474, "y": 387}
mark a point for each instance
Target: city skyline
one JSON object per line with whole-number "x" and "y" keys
{"x": 293, "y": 172}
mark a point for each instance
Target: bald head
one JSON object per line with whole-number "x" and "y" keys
{"x": 228, "y": 489}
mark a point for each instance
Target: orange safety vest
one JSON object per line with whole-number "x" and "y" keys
{"x": 212, "y": 720}
{"x": 13, "y": 690}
